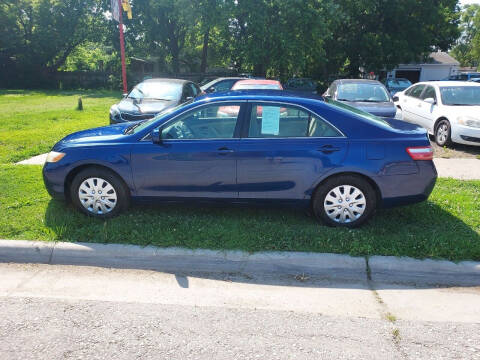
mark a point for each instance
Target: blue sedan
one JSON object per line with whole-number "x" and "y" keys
{"x": 248, "y": 146}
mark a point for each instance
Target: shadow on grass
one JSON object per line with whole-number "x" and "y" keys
{"x": 419, "y": 231}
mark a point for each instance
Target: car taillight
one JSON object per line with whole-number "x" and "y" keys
{"x": 420, "y": 152}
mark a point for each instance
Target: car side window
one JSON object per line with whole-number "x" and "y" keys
{"x": 209, "y": 122}
{"x": 224, "y": 85}
{"x": 280, "y": 121}
{"x": 429, "y": 93}
{"x": 416, "y": 91}
{"x": 188, "y": 91}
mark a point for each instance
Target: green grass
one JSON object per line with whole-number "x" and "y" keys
{"x": 31, "y": 122}
{"x": 447, "y": 226}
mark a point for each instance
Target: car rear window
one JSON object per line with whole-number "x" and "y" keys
{"x": 358, "y": 112}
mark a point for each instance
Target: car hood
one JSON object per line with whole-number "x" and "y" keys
{"x": 132, "y": 106}
{"x": 383, "y": 109}
{"x": 110, "y": 133}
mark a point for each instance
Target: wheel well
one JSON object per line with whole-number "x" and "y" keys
{"x": 437, "y": 121}
{"x": 71, "y": 175}
{"x": 369, "y": 180}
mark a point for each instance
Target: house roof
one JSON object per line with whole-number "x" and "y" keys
{"x": 442, "y": 58}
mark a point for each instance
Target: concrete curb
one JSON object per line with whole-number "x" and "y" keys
{"x": 386, "y": 268}
{"x": 382, "y": 268}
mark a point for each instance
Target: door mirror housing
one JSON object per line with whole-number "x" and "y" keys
{"x": 430, "y": 101}
{"x": 395, "y": 99}
{"x": 156, "y": 135}
{"x": 125, "y": 95}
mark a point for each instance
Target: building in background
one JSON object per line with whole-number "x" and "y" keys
{"x": 438, "y": 66}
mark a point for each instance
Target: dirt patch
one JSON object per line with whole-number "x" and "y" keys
{"x": 456, "y": 151}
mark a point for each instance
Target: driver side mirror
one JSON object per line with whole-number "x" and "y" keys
{"x": 156, "y": 136}
{"x": 125, "y": 95}
{"x": 430, "y": 101}
{"x": 395, "y": 98}
{"x": 210, "y": 90}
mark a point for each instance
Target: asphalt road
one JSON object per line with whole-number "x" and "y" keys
{"x": 74, "y": 312}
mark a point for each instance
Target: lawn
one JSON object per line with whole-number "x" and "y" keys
{"x": 447, "y": 226}
{"x": 33, "y": 121}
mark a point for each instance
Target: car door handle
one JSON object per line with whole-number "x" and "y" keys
{"x": 328, "y": 149}
{"x": 224, "y": 151}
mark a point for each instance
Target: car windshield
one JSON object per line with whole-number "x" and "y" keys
{"x": 139, "y": 126}
{"x": 256, "y": 86}
{"x": 399, "y": 83}
{"x": 460, "y": 95}
{"x": 358, "y": 112}
{"x": 157, "y": 91}
{"x": 367, "y": 92}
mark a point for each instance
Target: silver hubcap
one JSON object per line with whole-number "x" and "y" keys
{"x": 344, "y": 204}
{"x": 442, "y": 133}
{"x": 97, "y": 196}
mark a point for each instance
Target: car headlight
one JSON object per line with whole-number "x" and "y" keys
{"x": 114, "y": 112}
{"x": 54, "y": 156}
{"x": 469, "y": 121}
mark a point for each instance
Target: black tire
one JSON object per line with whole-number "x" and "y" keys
{"x": 120, "y": 190}
{"x": 443, "y": 133}
{"x": 326, "y": 189}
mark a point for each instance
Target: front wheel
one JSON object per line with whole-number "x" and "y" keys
{"x": 345, "y": 201}
{"x": 99, "y": 193}
{"x": 443, "y": 133}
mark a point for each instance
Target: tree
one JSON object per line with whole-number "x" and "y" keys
{"x": 43, "y": 33}
{"x": 380, "y": 34}
{"x": 467, "y": 48}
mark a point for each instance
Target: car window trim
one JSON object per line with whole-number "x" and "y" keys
{"x": 236, "y": 133}
{"x": 245, "y": 134}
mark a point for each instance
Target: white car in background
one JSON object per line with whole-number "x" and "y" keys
{"x": 449, "y": 110}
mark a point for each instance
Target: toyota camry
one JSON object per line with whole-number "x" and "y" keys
{"x": 272, "y": 146}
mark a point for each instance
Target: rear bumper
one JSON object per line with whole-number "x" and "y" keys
{"x": 397, "y": 190}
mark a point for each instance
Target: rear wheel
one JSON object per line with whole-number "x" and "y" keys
{"x": 443, "y": 133}
{"x": 99, "y": 193}
{"x": 344, "y": 201}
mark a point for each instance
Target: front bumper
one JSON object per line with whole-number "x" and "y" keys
{"x": 466, "y": 135}
{"x": 53, "y": 183}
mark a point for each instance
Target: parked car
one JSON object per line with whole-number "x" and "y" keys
{"x": 338, "y": 160}
{"x": 463, "y": 76}
{"x": 395, "y": 85}
{"x": 257, "y": 84}
{"x": 367, "y": 95}
{"x": 448, "y": 110}
{"x": 477, "y": 80}
{"x": 302, "y": 85}
{"x": 220, "y": 84}
{"x": 152, "y": 96}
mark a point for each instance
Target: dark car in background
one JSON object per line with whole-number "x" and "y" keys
{"x": 395, "y": 85}
{"x": 302, "y": 85}
{"x": 152, "y": 96}
{"x": 220, "y": 84}
{"x": 367, "y": 95}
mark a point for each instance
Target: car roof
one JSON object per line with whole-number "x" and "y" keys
{"x": 448, "y": 83}
{"x": 163, "y": 80}
{"x": 258, "y": 82}
{"x": 357, "y": 81}
{"x": 271, "y": 94}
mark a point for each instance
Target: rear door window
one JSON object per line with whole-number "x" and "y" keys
{"x": 281, "y": 121}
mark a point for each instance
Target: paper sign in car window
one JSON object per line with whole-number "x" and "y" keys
{"x": 270, "y": 120}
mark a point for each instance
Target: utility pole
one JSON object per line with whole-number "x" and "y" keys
{"x": 122, "y": 47}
